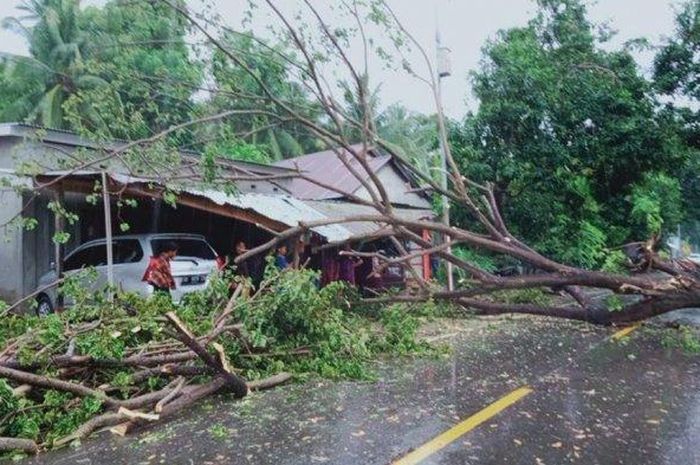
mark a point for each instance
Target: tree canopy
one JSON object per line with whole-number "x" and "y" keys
{"x": 570, "y": 134}
{"x": 124, "y": 69}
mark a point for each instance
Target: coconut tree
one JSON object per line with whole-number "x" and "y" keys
{"x": 236, "y": 89}
{"x": 38, "y": 85}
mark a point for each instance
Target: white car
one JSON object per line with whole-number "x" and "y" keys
{"x": 195, "y": 262}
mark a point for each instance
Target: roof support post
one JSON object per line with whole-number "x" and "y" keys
{"x": 58, "y": 226}
{"x": 108, "y": 236}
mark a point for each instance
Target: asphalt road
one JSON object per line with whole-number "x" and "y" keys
{"x": 593, "y": 400}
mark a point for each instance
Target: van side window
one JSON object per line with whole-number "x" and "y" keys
{"x": 127, "y": 251}
{"x": 95, "y": 255}
{"x": 76, "y": 260}
{"x": 123, "y": 251}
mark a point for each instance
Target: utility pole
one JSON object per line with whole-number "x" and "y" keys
{"x": 444, "y": 69}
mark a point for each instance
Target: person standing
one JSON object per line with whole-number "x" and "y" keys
{"x": 347, "y": 264}
{"x": 281, "y": 261}
{"x": 242, "y": 268}
{"x": 329, "y": 268}
{"x": 158, "y": 273}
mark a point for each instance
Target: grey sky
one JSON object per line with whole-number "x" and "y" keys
{"x": 465, "y": 26}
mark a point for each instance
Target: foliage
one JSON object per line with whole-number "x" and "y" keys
{"x": 484, "y": 261}
{"x": 122, "y": 70}
{"x": 685, "y": 338}
{"x": 279, "y": 136}
{"x": 614, "y": 303}
{"x": 37, "y": 87}
{"x": 140, "y": 48}
{"x": 227, "y": 145}
{"x": 656, "y": 201}
{"x": 413, "y": 136}
{"x": 615, "y": 262}
{"x": 676, "y": 68}
{"x": 400, "y": 330}
{"x": 566, "y": 130}
{"x": 289, "y": 314}
{"x": 676, "y": 78}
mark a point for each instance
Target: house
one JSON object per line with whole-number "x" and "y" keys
{"x": 334, "y": 180}
{"x": 269, "y": 199}
{"x": 34, "y": 156}
{"x": 330, "y": 186}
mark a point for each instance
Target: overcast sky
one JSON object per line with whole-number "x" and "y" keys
{"x": 465, "y": 25}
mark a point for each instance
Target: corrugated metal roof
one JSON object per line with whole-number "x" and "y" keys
{"x": 339, "y": 209}
{"x": 284, "y": 208}
{"x": 65, "y": 137}
{"x": 327, "y": 167}
{"x": 281, "y": 208}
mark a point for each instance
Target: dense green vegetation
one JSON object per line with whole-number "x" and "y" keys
{"x": 574, "y": 139}
{"x": 289, "y": 314}
{"x": 123, "y": 70}
{"x": 585, "y": 151}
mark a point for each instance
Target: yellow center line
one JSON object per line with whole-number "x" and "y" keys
{"x": 624, "y": 332}
{"x": 463, "y": 428}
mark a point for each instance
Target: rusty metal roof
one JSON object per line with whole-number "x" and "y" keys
{"x": 327, "y": 167}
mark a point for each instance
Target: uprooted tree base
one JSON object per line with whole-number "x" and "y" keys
{"x": 137, "y": 361}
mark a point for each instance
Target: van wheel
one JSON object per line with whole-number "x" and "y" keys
{"x": 43, "y": 306}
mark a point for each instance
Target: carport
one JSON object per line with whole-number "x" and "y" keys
{"x": 223, "y": 218}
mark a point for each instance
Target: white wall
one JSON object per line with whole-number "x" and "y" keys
{"x": 11, "y": 284}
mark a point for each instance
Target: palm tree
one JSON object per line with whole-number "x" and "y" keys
{"x": 356, "y": 109}
{"x": 39, "y": 85}
{"x": 236, "y": 89}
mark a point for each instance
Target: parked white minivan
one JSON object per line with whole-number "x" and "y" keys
{"x": 195, "y": 262}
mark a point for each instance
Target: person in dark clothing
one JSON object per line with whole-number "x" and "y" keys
{"x": 242, "y": 268}
{"x": 281, "y": 261}
{"x": 329, "y": 267}
{"x": 158, "y": 273}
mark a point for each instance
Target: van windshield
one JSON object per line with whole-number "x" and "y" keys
{"x": 196, "y": 248}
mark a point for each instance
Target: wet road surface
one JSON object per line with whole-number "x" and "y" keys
{"x": 594, "y": 401}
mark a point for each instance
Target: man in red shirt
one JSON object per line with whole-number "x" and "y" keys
{"x": 158, "y": 273}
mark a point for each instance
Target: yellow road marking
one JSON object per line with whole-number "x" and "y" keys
{"x": 463, "y": 428}
{"x": 624, "y": 332}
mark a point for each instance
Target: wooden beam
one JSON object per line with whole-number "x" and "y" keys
{"x": 207, "y": 205}
{"x": 84, "y": 185}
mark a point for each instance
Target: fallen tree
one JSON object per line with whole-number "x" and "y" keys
{"x": 135, "y": 362}
{"x": 353, "y": 135}
{"x": 312, "y": 41}
{"x": 90, "y": 378}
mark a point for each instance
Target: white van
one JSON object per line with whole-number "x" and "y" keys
{"x": 195, "y": 262}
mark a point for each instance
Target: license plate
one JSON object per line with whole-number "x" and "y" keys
{"x": 193, "y": 280}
